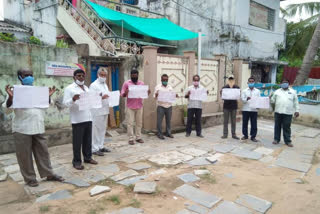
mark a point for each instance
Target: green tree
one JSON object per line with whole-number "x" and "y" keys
{"x": 313, "y": 9}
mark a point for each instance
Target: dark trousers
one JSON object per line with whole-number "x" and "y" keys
{"x": 81, "y": 137}
{"x": 26, "y": 145}
{"x": 229, "y": 113}
{"x": 197, "y": 112}
{"x": 253, "y": 116}
{"x": 282, "y": 121}
{"x": 164, "y": 112}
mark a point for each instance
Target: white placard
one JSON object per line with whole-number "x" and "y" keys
{"x": 167, "y": 96}
{"x": 259, "y": 102}
{"x": 138, "y": 91}
{"x": 198, "y": 94}
{"x": 30, "y": 97}
{"x": 89, "y": 100}
{"x": 114, "y": 98}
{"x": 230, "y": 94}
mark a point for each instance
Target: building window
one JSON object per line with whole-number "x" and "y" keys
{"x": 261, "y": 16}
{"x": 131, "y": 12}
{"x": 136, "y": 35}
{"x": 118, "y": 8}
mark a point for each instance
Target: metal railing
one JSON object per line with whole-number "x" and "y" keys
{"x": 98, "y": 30}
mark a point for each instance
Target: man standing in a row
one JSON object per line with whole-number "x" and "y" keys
{"x": 230, "y": 111}
{"x": 81, "y": 121}
{"x": 28, "y": 132}
{"x": 286, "y": 105}
{"x": 249, "y": 113}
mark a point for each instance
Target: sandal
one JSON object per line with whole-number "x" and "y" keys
{"x": 140, "y": 141}
{"x": 55, "y": 178}
{"x": 131, "y": 142}
{"x": 33, "y": 183}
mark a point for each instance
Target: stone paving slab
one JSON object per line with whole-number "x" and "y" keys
{"x": 12, "y": 168}
{"x": 194, "y": 152}
{"x": 158, "y": 172}
{"x": 139, "y": 166}
{"x": 188, "y": 177}
{"x": 318, "y": 171}
{"x": 124, "y": 175}
{"x": 311, "y": 133}
{"x": 59, "y": 195}
{"x": 199, "y": 161}
{"x": 228, "y": 207}
{"x": 145, "y": 187}
{"x": 98, "y": 190}
{"x": 132, "y": 180}
{"x": 292, "y": 164}
{"x": 201, "y": 172}
{"x": 254, "y": 203}
{"x": 43, "y": 187}
{"x": 243, "y": 153}
{"x": 3, "y": 176}
{"x": 109, "y": 169}
{"x": 248, "y": 146}
{"x": 211, "y": 159}
{"x": 264, "y": 150}
{"x": 197, "y": 196}
{"x": 198, "y": 209}
{"x": 229, "y": 175}
{"x": 7, "y": 156}
{"x": 295, "y": 156}
{"x": 16, "y": 176}
{"x": 128, "y": 210}
{"x": 77, "y": 181}
{"x": 93, "y": 176}
{"x": 267, "y": 159}
{"x": 184, "y": 211}
{"x": 8, "y": 162}
{"x": 170, "y": 158}
{"x": 223, "y": 148}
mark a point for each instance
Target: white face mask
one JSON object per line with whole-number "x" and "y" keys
{"x": 102, "y": 79}
{"x": 79, "y": 83}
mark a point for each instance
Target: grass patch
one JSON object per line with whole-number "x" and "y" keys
{"x": 107, "y": 182}
{"x": 203, "y": 167}
{"x": 157, "y": 192}
{"x": 115, "y": 199}
{"x": 92, "y": 211}
{"x": 208, "y": 178}
{"x": 44, "y": 209}
{"x": 129, "y": 188}
{"x": 135, "y": 203}
{"x": 315, "y": 159}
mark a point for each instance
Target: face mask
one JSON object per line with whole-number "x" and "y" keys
{"x": 165, "y": 83}
{"x": 284, "y": 85}
{"x": 79, "y": 82}
{"x": 102, "y": 79}
{"x": 195, "y": 83}
{"x": 251, "y": 85}
{"x": 134, "y": 79}
{"x": 27, "y": 80}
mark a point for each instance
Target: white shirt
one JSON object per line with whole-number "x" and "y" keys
{"x": 249, "y": 93}
{"x": 101, "y": 88}
{"x": 286, "y": 101}
{"x": 160, "y": 87}
{"x": 29, "y": 121}
{"x": 76, "y": 116}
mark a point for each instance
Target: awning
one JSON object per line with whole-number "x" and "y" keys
{"x": 268, "y": 61}
{"x": 160, "y": 28}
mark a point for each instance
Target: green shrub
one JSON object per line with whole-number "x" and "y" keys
{"x": 62, "y": 44}
{"x": 8, "y": 37}
{"x": 34, "y": 40}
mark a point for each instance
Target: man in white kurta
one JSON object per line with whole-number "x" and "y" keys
{"x": 100, "y": 115}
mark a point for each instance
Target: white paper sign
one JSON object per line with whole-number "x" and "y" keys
{"x": 199, "y": 94}
{"x": 167, "y": 96}
{"x": 259, "y": 102}
{"x": 114, "y": 98}
{"x": 138, "y": 91}
{"x": 89, "y": 100}
{"x": 230, "y": 93}
{"x": 30, "y": 97}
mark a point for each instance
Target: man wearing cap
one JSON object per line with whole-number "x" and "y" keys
{"x": 249, "y": 113}
{"x": 81, "y": 121}
{"x": 230, "y": 111}
{"x": 286, "y": 105}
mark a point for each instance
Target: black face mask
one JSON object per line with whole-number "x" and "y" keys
{"x": 134, "y": 79}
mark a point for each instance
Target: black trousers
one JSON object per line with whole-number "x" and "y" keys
{"x": 282, "y": 121}
{"x": 81, "y": 137}
{"x": 197, "y": 112}
{"x": 167, "y": 113}
{"x": 253, "y": 116}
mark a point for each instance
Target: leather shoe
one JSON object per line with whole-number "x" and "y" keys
{"x": 275, "y": 142}
{"x": 235, "y": 137}
{"x": 201, "y": 136}
{"x": 140, "y": 141}
{"x": 131, "y": 142}
{"x": 98, "y": 153}
{"x": 224, "y": 137}
{"x": 244, "y": 138}
{"x": 289, "y": 144}
{"x": 91, "y": 161}
{"x": 170, "y": 135}
{"x": 161, "y": 137}
{"x": 33, "y": 183}
{"x": 254, "y": 140}
{"x": 79, "y": 167}
{"x": 105, "y": 150}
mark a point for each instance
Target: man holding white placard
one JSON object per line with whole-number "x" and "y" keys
{"x": 28, "y": 128}
{"x": 81, "y": 121}
{"x": 165, "y": 97}
{"x": 230, "y": 107}
{"x": 100, "y": 115}
{"x": 247, "y": 96}
{"x": 134, "y": 105}
{"x": 195, "y": 105}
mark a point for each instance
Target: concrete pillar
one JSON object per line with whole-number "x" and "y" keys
{"x": 221, "y": 74}
{"x": 273, "y": 74}
{"x": 237, "y": 71}
{"x": 191, "y": 65}
{"x": 150, "y": 78}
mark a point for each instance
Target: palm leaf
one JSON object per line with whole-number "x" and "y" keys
{"x": 310, "y": 8}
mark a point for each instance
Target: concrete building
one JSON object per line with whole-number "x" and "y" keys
{"x": 247, "y": 29}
